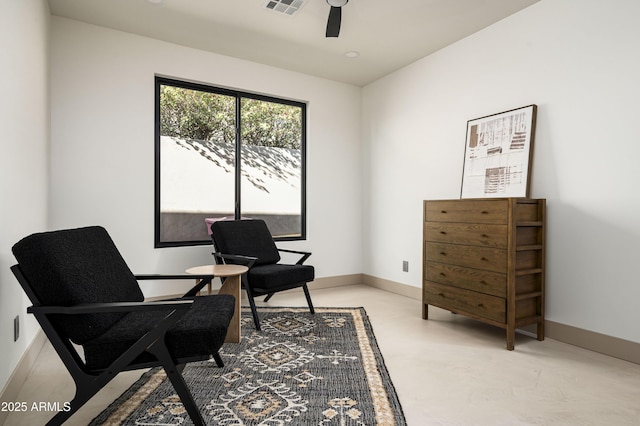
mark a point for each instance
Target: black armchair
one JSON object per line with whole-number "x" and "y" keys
{"x": 84, "y": 293}
{"x": 249, "y": 243}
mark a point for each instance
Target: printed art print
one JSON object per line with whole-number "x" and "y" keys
{"x": 498, "y": 154}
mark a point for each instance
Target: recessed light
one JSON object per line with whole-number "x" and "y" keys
{"x": 352, "y": 54}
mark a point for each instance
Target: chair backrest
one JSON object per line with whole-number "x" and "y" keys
{"x": 75, "y": 266}
{"x": 246, "y": 238}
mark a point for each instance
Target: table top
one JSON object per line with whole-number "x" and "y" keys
{"x": 218, "y": 270}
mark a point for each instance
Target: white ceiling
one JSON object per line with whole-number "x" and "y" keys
{"x": 388, "y": 34}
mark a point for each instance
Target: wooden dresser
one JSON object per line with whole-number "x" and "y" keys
{"x": 484, "y": 258}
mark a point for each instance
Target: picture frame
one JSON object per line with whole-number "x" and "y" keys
{"x": 498, "y": 154}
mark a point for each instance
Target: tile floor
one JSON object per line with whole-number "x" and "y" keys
{"x": 448, "y": 370}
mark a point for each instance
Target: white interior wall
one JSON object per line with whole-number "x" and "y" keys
{"x": 578, "y": 61}
{"x": 102, "y": 140}
{"x": 24, "y": 120}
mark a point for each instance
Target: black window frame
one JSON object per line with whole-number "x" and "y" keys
{"x": 239, "y": 95}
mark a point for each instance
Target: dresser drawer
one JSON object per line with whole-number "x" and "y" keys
{"x": 468, "y": 211}
{"x": 487, "y": 282}
{"x": 465, "y": 301}
{"x": 484, "y": 235}
{"x": 488, "y": 259}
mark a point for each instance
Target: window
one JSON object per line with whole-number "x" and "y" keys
{"x": 224, "y": 153}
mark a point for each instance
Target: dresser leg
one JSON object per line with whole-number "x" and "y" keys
{"x": 540, "y": 334}
{"x": 511, "y": 338}
{"x": 425, "y": 311}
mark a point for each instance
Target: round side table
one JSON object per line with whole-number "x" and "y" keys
{"x": 230, "y": 286}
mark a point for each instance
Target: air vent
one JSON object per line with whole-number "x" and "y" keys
{"x": 288, "y": 7}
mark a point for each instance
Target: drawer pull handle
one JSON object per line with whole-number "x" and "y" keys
{"x": 442, "y": 274}
{"x": 485, "y": 236}
{"x": 483, "y": 282}
{"x": 443, "y": 211}
{"x": 441, "y": 294}
{"x": 484, "y": 259}
{"x": 443, "y": 253}
{"x": 480, "y": 305}
{"x": 443, "y": 232}
{"x": 484, "y": 212}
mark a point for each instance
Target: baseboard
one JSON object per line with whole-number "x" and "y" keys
{"x": 596, "y": 342}
{"x": 336, "y": 281}
{"x": 393, "y": 287}
{"x": 602, "y": 343}
{"x": 20, "y": 373}
{"x": 317, "y": 284}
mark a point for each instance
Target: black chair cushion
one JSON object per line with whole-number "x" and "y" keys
{"x": 279, "y": 277}
{"x": 245, "y": 238}
{"x": 75, "y": 266}
{"x": 201, "y": 332}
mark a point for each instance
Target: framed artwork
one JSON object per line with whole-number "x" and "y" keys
{"x": 498, "y": 154}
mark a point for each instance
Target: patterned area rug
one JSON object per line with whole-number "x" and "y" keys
{"x": 302, "y": 369}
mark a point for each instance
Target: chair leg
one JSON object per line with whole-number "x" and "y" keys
{"x": 86, "y": 388}
{"x": 269, "y": 296}
{"x": 174, "y": 373}
{"x": 308, "y": 296}
{"x": 181, "y": 388}
{"x": 218, "y": 359}
{"x": 254, "y": 310}
{"x": 74, "y": 405}
{"x": 252, "y": 303}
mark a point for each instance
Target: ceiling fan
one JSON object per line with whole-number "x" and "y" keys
{"x": 335, "y": 17}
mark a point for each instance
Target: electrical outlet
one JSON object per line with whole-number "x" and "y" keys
{"x": 16, "y": 328}
{"x": 405, "y": 266}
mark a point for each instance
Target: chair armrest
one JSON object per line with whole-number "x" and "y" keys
{"x": 171, "y": 277}
{"x": 96, "y": 308}
{"x": 247, "y": 261}
{"x": 305, "y": 254}
{"x": 204, "y": 280}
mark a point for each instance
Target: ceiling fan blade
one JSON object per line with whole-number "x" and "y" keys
{"x": 333, "y": 24}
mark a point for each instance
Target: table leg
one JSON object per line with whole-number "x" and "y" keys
{"x": 232, "y": 286}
